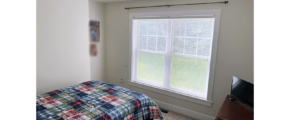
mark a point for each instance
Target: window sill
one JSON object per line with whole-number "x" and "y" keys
{"x": 189, "y": 98}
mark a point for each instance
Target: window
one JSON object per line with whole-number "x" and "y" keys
{"x": 174, "y": 53}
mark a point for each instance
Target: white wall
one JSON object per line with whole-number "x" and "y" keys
{"x": 96, "y": 12}
{"x": 234, "y": 55}
{"x": 62, "y": 44}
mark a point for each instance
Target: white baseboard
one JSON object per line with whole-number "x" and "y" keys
{"x": 183, "y": 111}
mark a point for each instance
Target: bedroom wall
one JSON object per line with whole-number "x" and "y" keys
{"x": 96, "y": 12}
{"x": 62, "y": 44}
{"x": 234, "y": 55}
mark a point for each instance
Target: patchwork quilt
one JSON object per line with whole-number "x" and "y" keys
{"x": 96, "y": 100}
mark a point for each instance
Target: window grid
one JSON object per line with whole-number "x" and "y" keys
{"x": 156, "y": 39}
{"x": 184, "y": 36}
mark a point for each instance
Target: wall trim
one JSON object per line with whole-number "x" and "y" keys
{"x": 183, "y": 111}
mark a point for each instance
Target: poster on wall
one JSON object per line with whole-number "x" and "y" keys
{"x": 95, "y": 31}
{"x": 93, "y": 50}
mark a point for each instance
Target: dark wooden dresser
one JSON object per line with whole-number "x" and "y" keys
{"x": 234, "y": 110}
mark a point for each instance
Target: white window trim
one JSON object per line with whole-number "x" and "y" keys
{"x": 177, "y": 14}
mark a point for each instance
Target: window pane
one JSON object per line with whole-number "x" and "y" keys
{"x": 178, "y": 45}
{"x": 190, "y": 46}
{"x": 176, "y": 28}
{"x": 152, "y": 28}
{"x": 162, "y": 28}
{"x": 189, "y": 73}
{"x": 206, "y": 27}
{"x": 151, "y": 67}
{"x": 182, "y": 28}
{"x": 152, "y": 43}
{"x": 142, "y": 42}
{"x": 179, "y": 27}
{"x": 143, "y": 27}
{"x": 192, "y": 28}
{"x": 204, "y": 47}
{"x": 161, "y": 44}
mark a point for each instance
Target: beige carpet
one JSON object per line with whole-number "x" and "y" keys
{"x": 175, "y": 116}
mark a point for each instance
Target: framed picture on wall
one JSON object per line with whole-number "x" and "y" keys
{"x": 94, "y": 31}
{"x": 93, "y": 50}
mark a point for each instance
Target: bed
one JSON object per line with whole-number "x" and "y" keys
{"x": 96, "y": 100}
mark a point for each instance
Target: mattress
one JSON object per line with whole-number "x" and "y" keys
{"x": 96, "y": 100}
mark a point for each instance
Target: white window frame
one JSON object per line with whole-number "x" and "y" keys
{"x": 207, "y": 100}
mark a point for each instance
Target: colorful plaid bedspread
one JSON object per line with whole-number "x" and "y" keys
{"x": 96, "y": 100}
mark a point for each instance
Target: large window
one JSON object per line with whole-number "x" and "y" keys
{"x": 173, "y": 54}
